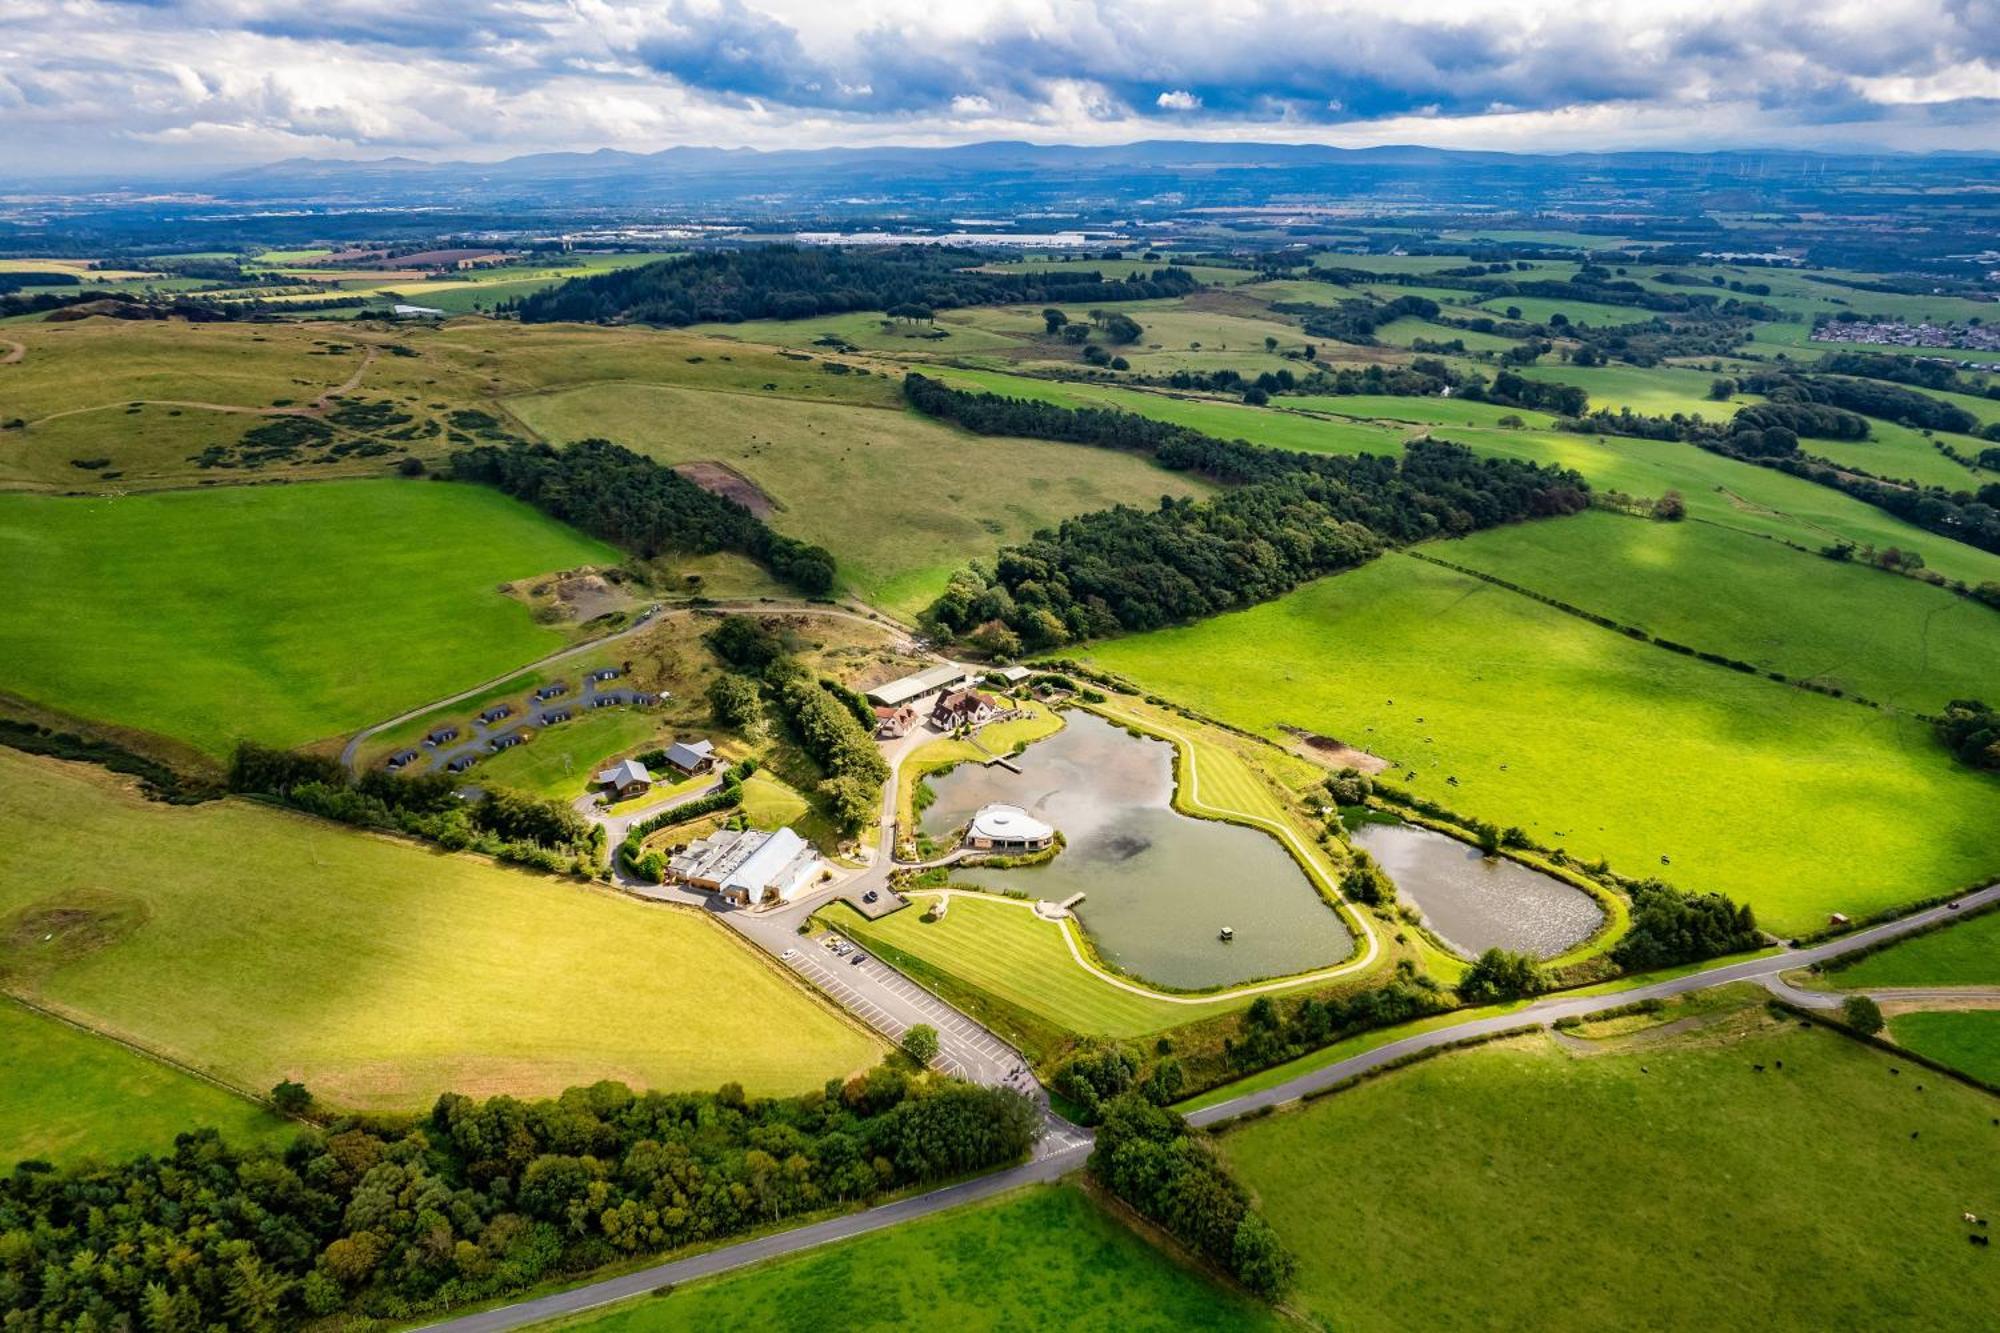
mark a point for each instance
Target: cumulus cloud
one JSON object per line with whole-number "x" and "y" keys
{"x": 116, "y": 83}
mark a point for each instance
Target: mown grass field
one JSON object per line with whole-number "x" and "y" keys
{"x": 1965, "y": 1039}
{"x": 278, "y": 613}
{"x": 1891, "y": 639}
{"x": 900, "y": 500}
{"x": 561, "y": 761}
{"x": 1966, "y": 954}
{"x": 1046, "y": 1257}
{"x": 257, "y": 945}
{"x": 1823, "y": 1194}
{"x": 1799, "y": 804}
{"x": 70, "y": 1095}
{"x": 999, "y": 947}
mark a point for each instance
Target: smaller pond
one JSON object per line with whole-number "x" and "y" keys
{"x": 1475, "y": 902}
{"x": 1159, "y": 885}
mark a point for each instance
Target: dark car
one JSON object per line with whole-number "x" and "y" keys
{"x": 870, "y": 896}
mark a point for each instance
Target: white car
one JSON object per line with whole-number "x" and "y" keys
{"x": 789, "y": 954}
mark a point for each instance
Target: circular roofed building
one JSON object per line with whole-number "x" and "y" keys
{"x": 1007, "y": 828}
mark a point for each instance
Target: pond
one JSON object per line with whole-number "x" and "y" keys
{"x": 1160, "y": 886}
{"x": 1475, "y": 902}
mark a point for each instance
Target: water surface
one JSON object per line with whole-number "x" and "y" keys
{"x": 1475, "y": 902}
{"x": 1160, "y": 886}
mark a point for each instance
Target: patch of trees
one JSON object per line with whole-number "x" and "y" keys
{"x": 1512, "y": 390}
{"x": 1293, "y": 517}
{"x": 14, "y": 282}
{"x": 794, "y": 282}
{"x": 1819, "y": 421}
{"x": 634, "y": 502}
{"x": 651, "y": 866}
{"x": 1924, "y": 374}
{"x": 1095, "y": 1077}
{"x": 160, "y": 782}
{"x": 509, "y": 826}
{"x": 1355, "y": 321}
{"x": 1273, "y": 1033}
{"x": 1971, "y": 731}
{"x": 1498, "y": 975}
{"x": 1889, "y": 402}
{"x": 836, "y": 739}
{"x": 1147, "y": 1156}
{"x": 397, "y": 1219}
{"x": 1670, "y": 926}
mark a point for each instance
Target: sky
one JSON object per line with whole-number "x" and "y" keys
{"x": 135, "y": 86}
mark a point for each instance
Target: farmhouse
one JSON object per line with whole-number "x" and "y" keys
{"x": 749, "y": 868}
{"x": 922, "y": 685}
{"x": 893, "y": 722}
{"x": 626, "y": 779}
{"x": 692, "y": 756}
{"x": 1007, "y": 828}
{"x": 963, "y": 708}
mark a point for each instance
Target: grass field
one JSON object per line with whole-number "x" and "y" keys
{"x": 1887, "y": 638}
{"x": 900, "y": 500}
{"x": 1418, "y": 411}
{"x": 1659, "y": 1184}
{"x": 1902, "y": 454}
{"x": 258, "y": 945}
{"x": 1799, "y": 804}
{"x": 279, "y": 613}
{"x": 1649, "y": 391}
{"x": 1966, "y": 954}
{"x": 70, "y": 1095}
{"x": 1047, "y": 1257}
{"x": 1965, "y": 1039}
{"x": 560, "y": 761}
{"x": 110, "y": 362}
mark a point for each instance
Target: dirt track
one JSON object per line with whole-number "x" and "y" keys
{"x": 15, "y": 351}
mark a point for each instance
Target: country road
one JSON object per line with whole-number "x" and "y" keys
{"x": 1057, "y": 1159}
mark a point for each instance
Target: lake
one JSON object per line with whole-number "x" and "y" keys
{"x": 1475, "y": 902}
{"x": 1160, "y": 886}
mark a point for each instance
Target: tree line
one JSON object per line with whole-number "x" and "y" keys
{"x": 799, "y": 282}
{"x": 1291, "y": 517}
{"x": 398, "y": 1218}
{"x": 1971, "y": 731}
{"x": 634, "y": 502}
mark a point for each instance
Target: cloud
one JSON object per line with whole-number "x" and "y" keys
{"x": 112, "y": 83}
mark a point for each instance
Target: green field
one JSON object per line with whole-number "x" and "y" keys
{"x": 1420, "y": 411}
{"x": 561, "y": 760}
{"x": 1966, "y": 954}
{"x": 1967, "y": 1039}
{"x": 1799, "y": 804}
{"x": 1649, "y": 391}
{"x": 900, "y": 500}
{"x": 1655, "y": 1184}
{"x": 257, "y": 945}
{"x": 70, "y": 1095}
{"x": 279, "y": 613}
{"x": 1044, "y": 1258}
{"x": 1902, "y": 454}
{"x": 1890, "y": 639}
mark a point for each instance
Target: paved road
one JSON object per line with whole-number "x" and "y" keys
{"x": 1762, "y": 970}
{"x": 653, "y": 614}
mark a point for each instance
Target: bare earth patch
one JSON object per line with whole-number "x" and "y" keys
{"x": 721, "y": 479}
{"x": 1332, "y": 752}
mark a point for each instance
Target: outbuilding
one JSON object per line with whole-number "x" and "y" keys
{"x": 923, "y": 684}
{"x": 1007, "y": 828}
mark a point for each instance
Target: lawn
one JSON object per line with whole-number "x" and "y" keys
{"x": 1845, "y": 625}
{"x": 278, "y": 613}
{"x": 1967, "y": 953}
{"x": 900, "y": 500}
{"x": 1658, "y": 1184}
{"x": 1967, "y": 1039}
{"x": 1799, "y": 804}
{"x": 561, "y": 761}
{"x": 998, "y": 947}
{"x": 257, "y": 945}
{"x": 71, "y": 1095}
{"x": 1046, "y": 1257}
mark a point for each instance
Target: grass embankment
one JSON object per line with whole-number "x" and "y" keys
{"x": 930, "y": 497}
{"x": 1047, "y": 1257}
{"x": 278, "y": 613}
{"x": 1798, "y": 804}
{"x": 71, "y": 1095}
{"x": 1823, "y": 1194}
{"x": 257, "y": 945}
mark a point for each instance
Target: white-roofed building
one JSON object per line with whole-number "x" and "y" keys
{"x": 750, "y": 868}
{"x": 1007, "y": 828}
{"x": 909, "y": 689}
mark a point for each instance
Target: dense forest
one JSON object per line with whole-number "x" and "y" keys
{"x": 1890, "y": 402}
{"x": 396, "y": 1219}
{"x": 638, "y": 504}
{"x": 1291, "y": 517}
{"x": 793, "y": 282}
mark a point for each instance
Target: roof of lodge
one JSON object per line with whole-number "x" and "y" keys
{"x": 902, "y": 690}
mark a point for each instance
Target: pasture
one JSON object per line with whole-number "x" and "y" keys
{"x": 561, "y": 760}
{"x": 900, "y": 500}
{"x": 1815, "y": 1194}
{"x": 72, "y": 1095}
{"x": 1649, "y": 391}
{"x": 278, "y": 613}
{"x": 1891, "y": 639}
{"x": 1043, "y": 1257}
{"x": 1965, "y": 1039}
{"x": 1902, "y": 454}
{"x": 1966, "y": 954}
{"x": 1507, "y": 710}
{"x": 256, "y": 944}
